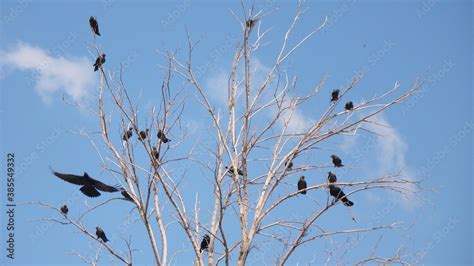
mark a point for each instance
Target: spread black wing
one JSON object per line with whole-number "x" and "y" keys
{"x": 73, "y": 179}
{"x": 103, "y": 187}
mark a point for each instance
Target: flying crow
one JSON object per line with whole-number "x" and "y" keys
{"x": 90, "y": 186}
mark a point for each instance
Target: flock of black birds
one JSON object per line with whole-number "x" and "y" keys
{"x": 334, "y": 190}
{"x": 91, "y": 187}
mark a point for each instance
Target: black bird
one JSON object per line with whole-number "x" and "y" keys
{"x": 94, "y": 25}
{"x": 161, "y": 135}
{"x": 289, "y": 164}
{"x": 205, "y": 243}
{"x": 128, "y": 134}
{"x": 126, "y": 195}
{"x": 349, "y": 106}
{"x": 98, "y": 62}
{"x": 90, "y": 186}
{"x": 100, "y": 234}
{"x": 332, "y": 178}
{"x": 337, "y": 193}
{"x": 334, "y": 95}
{"x": 155, "y": 153}
{"x": 64, "y": 209}
{"x": 250, "y": 23}
{"x": 231, "y": 170}
{"x": 143, "y": 134}
{"x": 336, "y": 161}
{"x": 302, "y": 185}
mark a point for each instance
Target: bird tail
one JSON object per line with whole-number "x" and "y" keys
{"x": 98, "y": 33}
{"x": 96, "y": 68}
{"x": 347, "y": 202}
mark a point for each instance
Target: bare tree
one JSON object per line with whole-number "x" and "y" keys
{"x": 255, "y": 127}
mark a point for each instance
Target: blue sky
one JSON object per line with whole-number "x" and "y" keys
{"x": 431, "y": 134}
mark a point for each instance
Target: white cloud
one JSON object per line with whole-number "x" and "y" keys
{"x": 390, "y": 151}
{"x": 74, "y": 75}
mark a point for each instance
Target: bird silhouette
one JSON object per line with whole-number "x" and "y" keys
{"x": 302, "y": 185}
{"x": 230, "y": 170}
{"x": 128, "y": 134}
{"x": 99, "y": 62}
{"x": 155, "y": 153}
{"x": 338, "y": 194}
{"x": 336, "y": 161}
{"x": 289, "y": 164}
{"x": 205, "y": 243}
{"x": 101, "y": 234}
{"x": 143, "y": 134}
{"x": 250, "y": 23}
{"x": 161, "y": 136}
{"x": 334, "y": 95}
{"x": 332, "y": 178}
{"x": 125, "y": 194}
{"x": 90, "y": 186}
{"x": 64, "y": 209}
{"x": 349, "y": 106}
{"x": 94, "y": 25}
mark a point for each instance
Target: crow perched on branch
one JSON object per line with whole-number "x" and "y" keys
{"x": 143, "y": 134}
{"x": 64, "y": 209}
{"x": 99, "y": 62}
{"x": 289, "y": 164}
{"x": 332, "y": 178}
{"x": 161, "y": 136}
{"x": 155, "y": 153}
{"x": 94, "y": 25}
{"x": 100, "y": 234}
{"x": 128, "y": 134}
{"x": 90, "y": 186}
{"x": 250, "y": 23}
{"x": 302, "y": 185}
{"x": 231, "y": 170}
{"x": 338, "y": 194}
{"x": 349, "y": 106}
{"x": 205, "y": 243}
{"x": 334, "y": 95}
{"x": 336, "y": 161}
